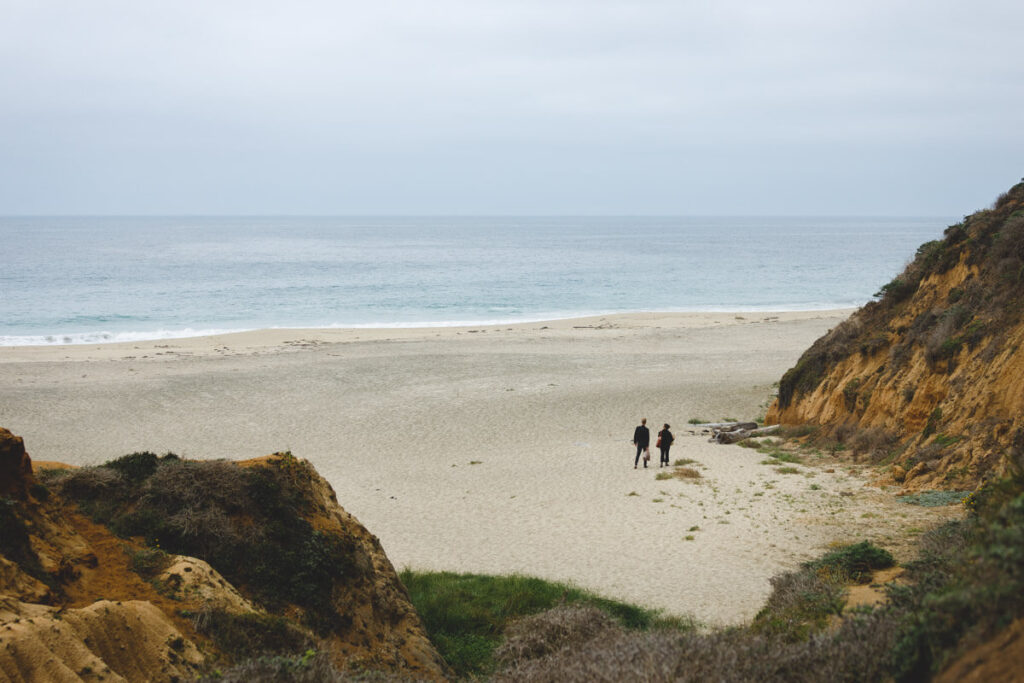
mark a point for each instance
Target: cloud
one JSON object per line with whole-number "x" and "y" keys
{"x": 109, "y": 94}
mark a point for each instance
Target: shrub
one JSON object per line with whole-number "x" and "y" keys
{"x": 850, "y": 393}
{"x": 547, "y": 632}
{"x": 933, "y": 422}
{"x": 242, "y": 636}
{"x": 246, "y": 522}
{"x": 148, "y": 562}
{"x": 872, "y": 441}
{"x": 466, "y": 614}
{"x": 896, "y": 290}
{"x": 136, "y": 467}
{"x": 311, "y": 667}
{"x": 931, "y": 499}
{"x": 800, "y": 603}
{"x": 39, "y": 491}
{"x": 853, "y": 562}
{"x": 91, "y": 483}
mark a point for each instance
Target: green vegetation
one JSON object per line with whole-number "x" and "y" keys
{"x": 466, "y": 614}
{"x": 148, "y": 562}
{"x": 778, "y": 455}
{"x": 310, "y": 667}
{"x": 991, "y": 241}
{"x": 932, "y": 499}
{"x": 244, "y": 636}
{"x": 896, "y": 290}
{"x": 932, "y": 424}
{"x": 852, "y": 563}
{"x": 850, "y": 393}
{"x": 247, "y": 522}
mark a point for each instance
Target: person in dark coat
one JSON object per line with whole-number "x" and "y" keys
{"x": 665, "y": 440}
{"x": 642, "y": 440}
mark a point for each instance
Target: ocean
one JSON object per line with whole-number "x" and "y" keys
{"x": 71, "y": 280}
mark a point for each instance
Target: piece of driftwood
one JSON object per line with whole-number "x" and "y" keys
{"x": 740, "y": 434}
{"x": 724, "y": 426}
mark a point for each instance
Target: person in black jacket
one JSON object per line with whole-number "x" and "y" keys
{"x": 665, "y": 440}
{"x": 641, "y": 439}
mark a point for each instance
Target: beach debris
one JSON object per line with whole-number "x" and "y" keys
{"x": 745, "y": 431}
{"x": 723, "y": 426}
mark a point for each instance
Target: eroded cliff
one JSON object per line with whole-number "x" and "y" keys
{"x": 930, "y": 377}
{"x": 212, "y": 563}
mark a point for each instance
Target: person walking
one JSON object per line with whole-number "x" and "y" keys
{"x": 665, "y": 440}
{"x": 642, "y": 441}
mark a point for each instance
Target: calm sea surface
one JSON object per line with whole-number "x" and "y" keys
{"x": 94, "y": 279}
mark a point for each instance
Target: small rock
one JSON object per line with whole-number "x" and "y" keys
{"x": 899, "y": 474}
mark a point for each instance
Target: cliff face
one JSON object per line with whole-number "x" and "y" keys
{"x": 931, "y": 376}
{"x": 297, "y": 572}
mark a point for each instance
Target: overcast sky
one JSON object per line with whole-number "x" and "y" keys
{"x": 513, "y": 107}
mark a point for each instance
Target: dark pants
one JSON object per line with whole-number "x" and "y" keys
{"x": 639, "y": 452}
{"x": 664, "y": 454}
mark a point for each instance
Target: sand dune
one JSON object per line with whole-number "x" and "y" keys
{"x": 490, "y": 449}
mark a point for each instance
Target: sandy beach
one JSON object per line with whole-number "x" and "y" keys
{"x": 492, "y": 449}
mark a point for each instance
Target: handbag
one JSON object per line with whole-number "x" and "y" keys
{"x": 647, "y": 455}
{"x": 658, "y": 444}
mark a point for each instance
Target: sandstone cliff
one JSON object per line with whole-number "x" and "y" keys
{"x": 275, "y": 565}
{"x": 930, "y": 377}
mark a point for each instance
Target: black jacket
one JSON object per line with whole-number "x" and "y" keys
{"x": 666, "y": 438}
{"x": 642, "y": 436}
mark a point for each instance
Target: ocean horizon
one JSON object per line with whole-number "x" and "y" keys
{"x": 96, "y": 279}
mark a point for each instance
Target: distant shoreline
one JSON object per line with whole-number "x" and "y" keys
{"x": 263, "y": 338}
{"x": 58, "y": 340}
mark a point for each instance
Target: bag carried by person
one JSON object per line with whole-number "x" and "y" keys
{"x": 647, "y": 455}
{"x": 658, "y": 443}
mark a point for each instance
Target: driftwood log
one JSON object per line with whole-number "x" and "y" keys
{"x": 740, "y": 434}
{"x": 724, "y": 426}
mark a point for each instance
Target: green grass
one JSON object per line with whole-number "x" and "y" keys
{"x": 466, "y": 614}
{"x": 787, "y": 470}
{"x": 853, "y": 562}
{"x": 932, "y": 499}
{"x": 780, "y": 455}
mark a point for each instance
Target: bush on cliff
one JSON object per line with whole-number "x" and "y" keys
{"x": 247, "y": 522}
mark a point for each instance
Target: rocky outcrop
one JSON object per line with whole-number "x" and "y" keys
{"x": 929, "y": 376}
{"x": 104, "y": 641}
{"x": 381, "y": 629}
{"x": 15, "y": 466}
{"x": 78, "y": 602}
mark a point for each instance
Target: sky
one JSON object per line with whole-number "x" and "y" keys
{"x": 568, "y": 107}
